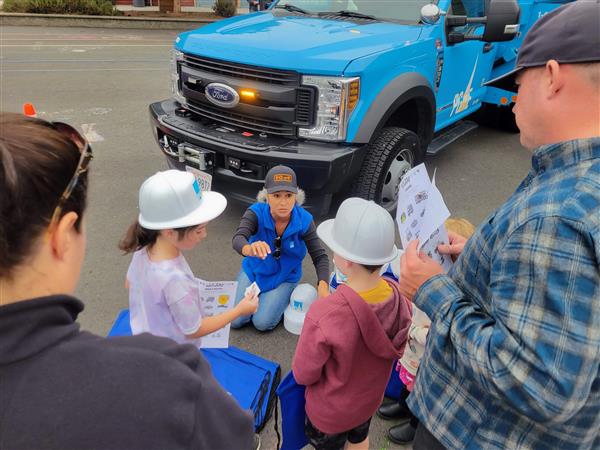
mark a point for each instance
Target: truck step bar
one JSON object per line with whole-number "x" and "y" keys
{"x": 449, "y": 135}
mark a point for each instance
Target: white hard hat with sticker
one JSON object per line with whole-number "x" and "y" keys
{"x": 173, "y": 199}
{"x": 302, "y": 297}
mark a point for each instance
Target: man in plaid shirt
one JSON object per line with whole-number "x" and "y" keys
{"x": 513, "y": 355}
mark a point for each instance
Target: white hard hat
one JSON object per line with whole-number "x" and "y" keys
{"x": 362, "y": 232}
{"x": 173, "y": 199}
{"x": 300, "y": 300}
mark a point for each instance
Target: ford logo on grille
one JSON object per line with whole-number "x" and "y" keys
{"x": 222, "y": 95}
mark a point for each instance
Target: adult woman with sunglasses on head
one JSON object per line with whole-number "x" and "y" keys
{"x": 67, "y": 389}
{"x": 274, "y": 236}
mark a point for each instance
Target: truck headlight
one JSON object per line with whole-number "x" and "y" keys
{"x": 176, "y": 58}
{"x": 337, "y": 97}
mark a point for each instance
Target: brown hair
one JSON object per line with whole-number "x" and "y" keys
{"x": 371, "y": 269}
{"x": 138, "y": 237}
{"x": 36, "y": 164}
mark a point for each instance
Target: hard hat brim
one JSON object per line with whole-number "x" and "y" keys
{"x": 325, "y": 233}
{"x": 293, "y": 320}
{"x": 212, "y": 206}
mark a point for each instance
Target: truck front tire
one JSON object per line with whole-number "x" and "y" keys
{"x": 391, "y": 154}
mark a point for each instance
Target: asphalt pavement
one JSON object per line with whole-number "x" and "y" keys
{"x": 103, "y": 80}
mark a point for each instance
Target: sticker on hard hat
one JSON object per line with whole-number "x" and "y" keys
{"x": 283, "y": 177}
{"x": 197, "y": 189}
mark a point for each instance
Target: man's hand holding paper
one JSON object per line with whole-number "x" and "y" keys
{"x": 415, "y": 269}
{"x": 420, "y": 216}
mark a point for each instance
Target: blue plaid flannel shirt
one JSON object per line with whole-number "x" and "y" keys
{"x": 513, "y": 354}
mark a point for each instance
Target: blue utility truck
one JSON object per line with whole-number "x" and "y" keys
{"x": 349, "y": 93}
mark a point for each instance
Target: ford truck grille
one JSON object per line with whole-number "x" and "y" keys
{"x": 242, "y": 121}
{"x": 281, "y": 105}
{"x": 243, "y": 71}
{"x": 304, "y": 107}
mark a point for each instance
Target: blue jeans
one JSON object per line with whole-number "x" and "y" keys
{"x": 271, "y": 304}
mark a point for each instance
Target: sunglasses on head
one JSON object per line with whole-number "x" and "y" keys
{"x": 84, "y": 161}
{"x": 277, "y": 252}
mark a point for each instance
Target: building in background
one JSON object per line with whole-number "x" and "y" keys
{"x": 184, "y": 3}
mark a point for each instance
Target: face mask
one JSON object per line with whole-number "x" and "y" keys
{"x": 339, "y": 276}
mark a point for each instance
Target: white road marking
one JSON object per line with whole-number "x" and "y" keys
{"x": 90, "y": 133}
{"x": 85, "y": 40}
{"x": 98, "y": 111}
{"x": 84, "y": 45}
{"x": 83, "y": 70}
{"x": 38, "y": 61}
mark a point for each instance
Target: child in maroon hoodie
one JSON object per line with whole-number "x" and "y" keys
{"x": 351, "y": 338}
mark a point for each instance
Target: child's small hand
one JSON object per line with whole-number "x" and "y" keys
{"x": 323, "y": 289}
{"x": 248, "y": 305}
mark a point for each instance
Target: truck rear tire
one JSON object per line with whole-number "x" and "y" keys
{"x": 391, "y": 154}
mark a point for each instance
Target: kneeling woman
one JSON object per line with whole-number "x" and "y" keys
{"x": 274, "y": 236}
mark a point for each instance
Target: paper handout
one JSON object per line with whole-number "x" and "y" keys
{"x": 421, "y": 214}
{"x": 253, "y": 288}
{"x": 216, "y": 297}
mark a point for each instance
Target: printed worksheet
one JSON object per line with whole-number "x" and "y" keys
{"x": 421, "y": 214}
{"x": 216, "y": 297}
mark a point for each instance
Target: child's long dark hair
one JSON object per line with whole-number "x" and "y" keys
{"x": 138, "y": 237}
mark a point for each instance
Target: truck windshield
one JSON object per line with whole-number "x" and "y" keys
{"x": 403, "y": 10}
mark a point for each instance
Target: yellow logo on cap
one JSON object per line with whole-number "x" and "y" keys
{"x": 282, "y": 177}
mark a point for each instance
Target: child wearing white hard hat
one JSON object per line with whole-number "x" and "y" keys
{"x": 163, "y": 292}
{"x": 351, "y": 338}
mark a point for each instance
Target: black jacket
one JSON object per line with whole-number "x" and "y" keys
{"x": 61, "y": 388}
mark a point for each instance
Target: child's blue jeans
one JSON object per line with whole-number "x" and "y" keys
{"x": 271, "y": 304}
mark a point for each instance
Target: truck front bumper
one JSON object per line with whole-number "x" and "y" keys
{"x": 241, "y": 159}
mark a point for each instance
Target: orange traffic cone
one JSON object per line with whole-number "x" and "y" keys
{"x": 29, "y": 110}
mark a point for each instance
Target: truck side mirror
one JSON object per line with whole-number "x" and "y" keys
{"x": 430, "y": 13}
{"x": 502, "y": 22}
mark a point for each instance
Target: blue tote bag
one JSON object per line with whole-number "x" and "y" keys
{"x": 250, "y": 379}
{"x": 291, "y": 396}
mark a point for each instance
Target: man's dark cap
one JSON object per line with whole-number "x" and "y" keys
{"x": 569, "y": 34}
{"x": 281, "y": 178}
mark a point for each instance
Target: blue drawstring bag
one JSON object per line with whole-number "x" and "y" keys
{"x": 291, "y": 396}
{"x": 250, "y": 379}
{"x": 395, "y": 385}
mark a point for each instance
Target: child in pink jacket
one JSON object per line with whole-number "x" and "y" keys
{"x": 351, "y": 338}
{"x": 409, "y": 363}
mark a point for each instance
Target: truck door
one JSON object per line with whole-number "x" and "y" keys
{"x": 464, "y": 65}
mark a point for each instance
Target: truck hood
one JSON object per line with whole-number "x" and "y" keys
{"x": 305, "y": 44}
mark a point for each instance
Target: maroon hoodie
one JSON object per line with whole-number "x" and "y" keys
{"x": 345, "y": 355}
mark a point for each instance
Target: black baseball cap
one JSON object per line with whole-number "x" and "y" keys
{"x": 569, "y": 34}
{"x": 281, "y": 178}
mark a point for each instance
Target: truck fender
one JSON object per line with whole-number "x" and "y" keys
{"x": 404, "y": 88}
